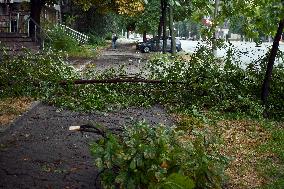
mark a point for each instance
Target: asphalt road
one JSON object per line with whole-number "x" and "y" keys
{"x": 246, "y": 51}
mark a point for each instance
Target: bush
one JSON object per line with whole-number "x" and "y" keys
{"x": 146, "y": 156}
{"x": 276, "y": 95}
{"x": 60, "y": 41}
{"x": 109, "y": 36}
{"x": 96, "y": 41}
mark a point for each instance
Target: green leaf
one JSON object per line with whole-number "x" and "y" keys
{"x": 177, "y": 3}
{"x": 133, "y": 164}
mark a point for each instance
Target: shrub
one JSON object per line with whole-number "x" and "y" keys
{"x": 146, "y": 156}
{"x": 60, "y": 41}
{"x": 109, "y": 36}
{"x": 96, "y": 40}
{"x": 276, "y": 95}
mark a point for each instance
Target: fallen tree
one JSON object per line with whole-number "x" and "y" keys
{"x": 119, "y": 80}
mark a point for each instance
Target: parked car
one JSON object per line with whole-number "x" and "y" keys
{"x": 151, "y": 45}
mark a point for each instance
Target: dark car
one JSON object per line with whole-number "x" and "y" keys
{"x": 151, "y": 45}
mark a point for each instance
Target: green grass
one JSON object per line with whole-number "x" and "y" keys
{"x": 83, "y": 51}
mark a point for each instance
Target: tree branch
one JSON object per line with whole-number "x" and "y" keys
{"x": 119, "y": 80}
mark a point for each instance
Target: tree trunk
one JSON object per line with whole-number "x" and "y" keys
{"x": 127, "y": 34}
{"x": 160, "y": 27}
{"x": 271, "y": 59}
{"x": 36, "y": 6}
{"x": 172, "y": 32}
{"x": 144, "y": 36}
{"x": 164, "y": 16}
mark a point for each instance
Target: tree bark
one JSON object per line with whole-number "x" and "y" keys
{"x": 160, "y": 27}
{"x": 36, "y": 7}
{"x": 164, "y": 16}
{"x": 127, "y": 34}
{"x": 271, "y": 60}
{"x": 172, "y": 32}
{"x": 144, "y": 36}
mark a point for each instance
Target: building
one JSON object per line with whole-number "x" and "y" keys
{"x": 18, "y": 30}
{"x": 14, "y": 15}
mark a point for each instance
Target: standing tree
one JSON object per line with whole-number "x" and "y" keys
{"x": 265, "y": 17}
{"x": 171, "y": 27}
{"x": 148, "y": 20}
{"x": 271, "y": 60}
{"x": 260, "y": 17}
{"x": 128, "y": 7}
{"x": 164, "y": 4}
{"x": 36, "y": 7}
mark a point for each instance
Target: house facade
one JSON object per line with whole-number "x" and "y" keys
{"x": 14, "y": 15}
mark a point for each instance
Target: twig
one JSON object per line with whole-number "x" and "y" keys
{"x": 93, "y": 129}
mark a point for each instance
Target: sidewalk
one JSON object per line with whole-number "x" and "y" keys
{"x": 38, "y": 150}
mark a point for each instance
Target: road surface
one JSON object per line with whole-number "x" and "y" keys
{"x": 248, "y": 50}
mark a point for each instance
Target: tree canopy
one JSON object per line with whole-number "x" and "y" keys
{"x": 129, "y": 7}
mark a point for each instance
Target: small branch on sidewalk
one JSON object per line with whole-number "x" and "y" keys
{"x": 94, "y": 128}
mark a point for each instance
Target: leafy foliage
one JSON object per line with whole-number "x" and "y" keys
{"x": 96, "y": 41}
{"x": 60, "y": 41}
{"x": 129, "y": 7}
{"x": 97, "y": 23}
{"x": 148, "y": 20}
{"x": 212, "y": 84}
{"x": 33, "y": 75}
{"x": 157, "y": 157}
{"x": 257, "y": 17}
